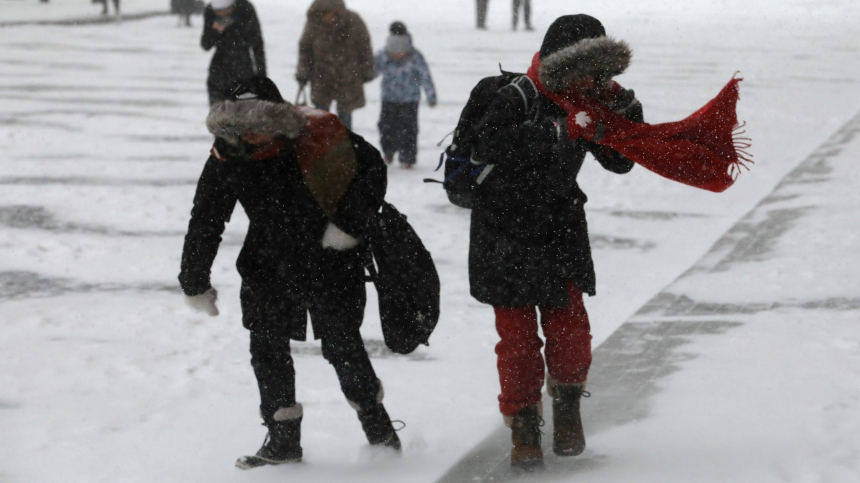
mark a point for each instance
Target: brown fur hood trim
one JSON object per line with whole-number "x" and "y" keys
{"x": 601, "y": 57}
{"x": 230, "y": 119}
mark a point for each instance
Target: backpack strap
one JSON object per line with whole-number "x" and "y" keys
{"x": 526, "y": 89}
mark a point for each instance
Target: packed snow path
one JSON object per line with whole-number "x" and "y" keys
{"x": 106, "y": 376}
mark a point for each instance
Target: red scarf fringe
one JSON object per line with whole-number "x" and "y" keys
{"x": 705, "y": 150}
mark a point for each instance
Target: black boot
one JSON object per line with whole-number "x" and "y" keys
{"x": 282, "y": 445}
{"x": 377, "y": 426}
{"x": 568, "y": 435}
{"x": 526, "y": 452}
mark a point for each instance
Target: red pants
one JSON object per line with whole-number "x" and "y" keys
{"x": 521, "y": 367}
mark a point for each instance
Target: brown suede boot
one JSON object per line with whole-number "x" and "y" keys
{"x": 568, "y": 435}
{"x": 526, "y": 452}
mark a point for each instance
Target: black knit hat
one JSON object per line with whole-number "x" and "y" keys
{"x": 568, "y": 30}
{"x": 261, "y": 88}
{"x": 398, "y": 28}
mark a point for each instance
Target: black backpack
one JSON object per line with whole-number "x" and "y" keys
{"x": 406, "y": 281}
{"x": 463, "y": 175}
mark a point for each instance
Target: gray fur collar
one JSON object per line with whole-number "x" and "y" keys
{"x": 601, "y": 57}
{"x": 229, "y": 120}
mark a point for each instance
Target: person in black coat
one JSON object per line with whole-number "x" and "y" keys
{"x": 529, "y": 242}
{"x": 183, "y": 8}
{"x": 232, "y": 28}
{"x": 296, "y": 259}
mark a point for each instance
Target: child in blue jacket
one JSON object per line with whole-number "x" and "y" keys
{"x": 404, "y": 72}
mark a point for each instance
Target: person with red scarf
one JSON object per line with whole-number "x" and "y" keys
{"x": 529, "y": 249}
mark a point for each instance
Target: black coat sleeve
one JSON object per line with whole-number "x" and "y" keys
{"x": 211, "y": 37}
{"x": 505, "y": 135}
{"x": 611, "y": 160}
{"x": 357, "y": 210}
{"x": 213, "y": 204}
{"x": 254, "y": 34}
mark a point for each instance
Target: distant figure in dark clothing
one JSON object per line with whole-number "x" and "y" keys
{"x": 404, "y": 73}
{"x": 527, "y": 14}
{"x": 231, "y": 26}
{"x": 335, "y": 57}
{"x": 183, "y": 8}
{"x": 105, "y": 6}
{"x": 482, "y": 14}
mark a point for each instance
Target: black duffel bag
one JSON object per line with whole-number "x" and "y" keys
{"x": 406, "y": 281}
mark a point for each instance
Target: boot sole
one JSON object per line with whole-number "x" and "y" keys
{"x": 527, "y": 458}
{"x": 568, "y": 452}
{"x": 251, "y": 462}
{"x": 528, "y": 465}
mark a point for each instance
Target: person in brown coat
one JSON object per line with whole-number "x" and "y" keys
{"x": 335, "y": 57}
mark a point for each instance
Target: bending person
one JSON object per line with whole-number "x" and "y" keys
{"x": 299, "y": 257}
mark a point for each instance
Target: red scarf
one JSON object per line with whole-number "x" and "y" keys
{"x": 326, "y": 158}
{"x": 703, "y": 150}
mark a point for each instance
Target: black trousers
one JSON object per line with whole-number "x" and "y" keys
{"x": 398, "y": 130}
{"x": 482, "y": 13}
{"x": 527, "y": 12}
{"x": 336, "y": 320}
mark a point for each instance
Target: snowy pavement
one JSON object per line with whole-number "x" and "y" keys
{"x": 106, "y": 376}
{"x": 777, "y": 398}
{"x": 76, "y": 12}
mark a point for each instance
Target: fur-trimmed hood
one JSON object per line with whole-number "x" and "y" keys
{"x": 600, "y": 57}
{"x": 230, "y": 119}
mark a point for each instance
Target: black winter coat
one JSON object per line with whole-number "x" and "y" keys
{"x": 239, "y": 52}
{"x": 283, "y": 265}
{"x": 529, "y": 236}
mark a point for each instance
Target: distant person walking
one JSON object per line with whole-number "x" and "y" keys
{"x": 183, "y": 8}
{"x": 482, "y": 6}
{"x": 232, "y": 28}
{"x": 404, "y": 73}
{"x": 527, "y": 14}
{"x": 335, "y": 58}
{"x": 105, "y": 6}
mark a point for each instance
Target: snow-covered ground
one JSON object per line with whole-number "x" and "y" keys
{"x": 775, "y": 396}
{"x": 21, "y": 12}
{"x": 106, "y": 376}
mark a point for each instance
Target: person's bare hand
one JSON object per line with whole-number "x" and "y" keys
{"x": 219, "y": 26}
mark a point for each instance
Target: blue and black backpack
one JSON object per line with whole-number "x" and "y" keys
{"x": 463, "y": 174}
